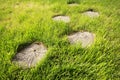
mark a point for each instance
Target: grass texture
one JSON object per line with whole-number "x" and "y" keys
{"x": 27, "y": 21}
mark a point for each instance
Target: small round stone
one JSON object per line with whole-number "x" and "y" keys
{"x": 91, "y": 14}
{"x": 65, "y": 19}
{"x": 73, "y": 4}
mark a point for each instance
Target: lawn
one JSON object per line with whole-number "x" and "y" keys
{"x": 28, "y": 21}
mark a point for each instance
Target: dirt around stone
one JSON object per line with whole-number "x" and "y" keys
{"x": 65, "y": 19}
{"x": 31, "y": 55}
{"x": 84, "y": 38}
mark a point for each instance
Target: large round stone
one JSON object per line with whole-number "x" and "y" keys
{"x": 84, "y": 38}
{"x": 31, "y": 55}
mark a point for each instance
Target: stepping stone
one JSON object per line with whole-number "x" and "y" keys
{"x": 91, "y": 14}
{"x": 73, "y": 4}
{"x": 65, "y": 19}
{"x": 31, "y": 55}
{"x": 84, "y": 38}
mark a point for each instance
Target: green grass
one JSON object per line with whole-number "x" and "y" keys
{"x": 27, "y": 21}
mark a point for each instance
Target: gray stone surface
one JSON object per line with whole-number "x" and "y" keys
{"x": 65, "y": 19}
{"x": 91, "y": 14}
{"x": 31, "y": 55}
{"x": 84, "y": 38}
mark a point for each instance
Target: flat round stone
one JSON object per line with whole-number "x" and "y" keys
{"x": 91, "y": 14}
{"x": 31, "y": 55}
{"x": 84, "y": 38}
{"x": 73, "y": 4}
{"x": 65, "y": 19}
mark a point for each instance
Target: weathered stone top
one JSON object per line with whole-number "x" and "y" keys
{"x": 65, "y": 19}
{"x": 84, "y": 38}
{"x": 31, "y": 55}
